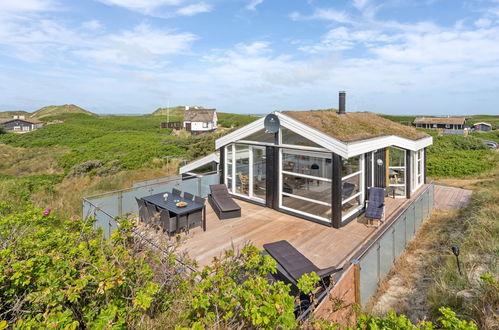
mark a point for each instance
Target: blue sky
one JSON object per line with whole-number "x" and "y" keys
{"x": 251, "y": 56}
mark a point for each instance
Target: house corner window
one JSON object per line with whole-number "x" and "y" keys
{"x": 205, "y": 125}
{"x": 396, "y": 171}
{"x": 352, "y": 186}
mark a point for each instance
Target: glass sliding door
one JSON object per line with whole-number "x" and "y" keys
{"x": 258, "y": 185}
{"x": 229, "y": 167}
{"x": 396, "y": 171}
{"x": 305, "y": 183}
{"x": 245, "y": 171}
{"x": 352, "y": 186}
{"x": 242, "y": 175}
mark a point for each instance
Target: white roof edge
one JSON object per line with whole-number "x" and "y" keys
{"x": 343, "y": 149}
{"x": 213, "y": 157}
{"x": 482, "y": 123}
{"x": 240, "y": 133}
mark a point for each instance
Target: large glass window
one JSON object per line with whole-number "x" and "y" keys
{"x": 306, "y": 183}
{"x": 259, "y": 177}
{"x": 260, "y": 136}
{"x": 245, "y": 168}
{"x": 418, "y": 169}
{"x": 352, "y": 190}
{"x": 229, "y": 163}
{"x": 242, "y": 169}
{"x": 291, "y": 138}
{"x": 396, "y": 171}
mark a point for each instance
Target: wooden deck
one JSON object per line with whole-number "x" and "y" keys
{"x": 258, "y": 225}
{"x": 451, "y": 198}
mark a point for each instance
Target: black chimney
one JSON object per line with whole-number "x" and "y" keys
{"x": 341, "y": 108}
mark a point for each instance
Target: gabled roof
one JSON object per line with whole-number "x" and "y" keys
{"x": 370, "y": 134}
{"x": 353, "y": 126}
{"x": 482, "y": 123}
{"x": 203, "y": 115}
{"x": 440, "y": 120}
{"x": 31, "y": 121}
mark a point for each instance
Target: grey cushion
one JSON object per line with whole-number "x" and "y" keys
{"x": 376, "y": 203}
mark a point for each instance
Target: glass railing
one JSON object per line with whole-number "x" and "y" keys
{"x": 378, "y": 258}
{"x": 107, "y": 206}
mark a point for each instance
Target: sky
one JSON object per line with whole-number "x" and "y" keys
{"x": 401, "y": 57}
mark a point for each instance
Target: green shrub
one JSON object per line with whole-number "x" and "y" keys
{"x": 458, "y": 164}
{"x": 62, "y": 274}
{"x": 234, "y": 292}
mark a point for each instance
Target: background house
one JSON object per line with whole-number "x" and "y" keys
{"x": 21, "y": 124}
{"x": 485, "y": 127}
{"x": 440, "y": 122}
{"x": 200, "y": 120}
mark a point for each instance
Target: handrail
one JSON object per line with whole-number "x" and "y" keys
{"x": 135, "y": 231}
{"x": 170, "y": 179}
{"x": 380, "y": 234}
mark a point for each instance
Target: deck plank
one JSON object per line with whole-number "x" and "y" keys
{"x": 323, "y": 245}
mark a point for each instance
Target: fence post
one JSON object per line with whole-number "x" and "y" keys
{"x": 356, "y": 279}
{"x": 120, "y": 203}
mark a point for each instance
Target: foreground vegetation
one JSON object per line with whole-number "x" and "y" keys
{"x": 56, "y": 271}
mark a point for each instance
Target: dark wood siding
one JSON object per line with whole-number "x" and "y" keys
{"x": 408, "y": 174}
{"x": 380, "y": 171}
{"x": 336, "y": 192}
{"x": 222, "y": 164}
{"x": 272, "y": 177}
{"x": 367, "y": 172}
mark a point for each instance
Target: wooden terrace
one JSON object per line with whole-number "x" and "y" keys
{"x": 325, "y": 246}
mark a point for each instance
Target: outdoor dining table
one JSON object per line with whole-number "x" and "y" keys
{"x": 170, "y": 205}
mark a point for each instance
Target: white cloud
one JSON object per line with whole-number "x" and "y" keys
{"x": 360, "y": 4}
{"x": 142, "y": 5}
{"x": 194, "y": 9}
{"x": 142, "y": 46}
{"x": 328, "y": 14}
{"x": 253, "y": 4}
{"x": 18, "y": 6}
{"x": 92, "y": 25}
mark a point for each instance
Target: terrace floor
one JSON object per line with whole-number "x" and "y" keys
{"x": 325, "y": 246}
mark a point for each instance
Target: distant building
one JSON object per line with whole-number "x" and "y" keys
{"x": 200, "y": 120}
{"x": 20, "y": 124}
{"x": 484, "y": 127}
{"x": 440, "y": 122}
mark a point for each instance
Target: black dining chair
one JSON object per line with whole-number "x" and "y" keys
{"x": 199, "y": 200}
{"x": 177, "y": 192}
{"x": 143, "y": 212}
{"x": 167, "y": 222}
{"x": 153, "y": 214}
{"x": 188, "y": 196}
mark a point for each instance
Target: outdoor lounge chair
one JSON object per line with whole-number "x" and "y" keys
{"x": 221, "y": 202}
{"x": 291, "y": 264}
{"x": 375, "y": 209}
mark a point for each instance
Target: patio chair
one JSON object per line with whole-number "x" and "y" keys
{"x": 221, "y": 202}
{"x": 188, "y": 196}
{"x": 177, "y": 192}
{"x": 291, "y": 264}
{"x": 196, "y": 218}
{"x": 143, "y": 213}
{"x": 375, "y": 209}
{"x": 167, "y": 222}
{"x": 153, "y": 212}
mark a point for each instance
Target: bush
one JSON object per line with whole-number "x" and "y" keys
{"x": 61, "y": 273}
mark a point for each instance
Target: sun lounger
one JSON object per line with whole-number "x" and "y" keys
{"x": 221, "y": 202}
{"x": 292, "y": 264}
